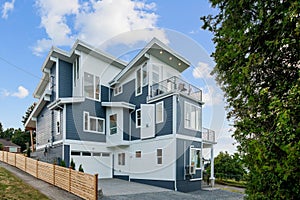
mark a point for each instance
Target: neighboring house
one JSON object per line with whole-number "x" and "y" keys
{"x": 137, "y": 121}
{"x": 9, "y": 146}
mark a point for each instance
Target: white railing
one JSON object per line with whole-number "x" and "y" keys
{"x": 208, "y": 135}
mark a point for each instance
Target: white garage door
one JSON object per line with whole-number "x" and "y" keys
{"x": 94, "y": 163}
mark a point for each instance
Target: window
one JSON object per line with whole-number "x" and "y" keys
{"x": 138, "y": 120}
{"x": 121, "y": 159}
{"x": 92, "y": 124}
{"x": 159, "y": 156}
{"x": 52, "y": 82}
{"x": 195, "y": 157}
{"x": 105, "y": 154}
{"x": 91, "y": 86}
{"x": 97, "y": 154}
{"x": 141, "y": 78}
{"x": 75, "y": 153}
{"x": 192, "y": 116}
{"x": 138, "y": 82}
{"x": 118, "y": 90}
{"x": 113, "y": 124}
{"x": 85, "y": 153}
{"x": 138, "y": 154}
{"x": 76, "y": 70}
{"x": 159, "y": 112}
{"x": 57, "y": 122}
{"x": 155, "y": 74}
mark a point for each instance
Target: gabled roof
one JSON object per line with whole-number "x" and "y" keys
{"x": 7, "y": 143}
{"x": 69, "y": 57}
{"x": 161, "y": 51}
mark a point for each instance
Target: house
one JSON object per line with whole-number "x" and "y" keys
{"x": 9, "y": 146}
{"x": 137, "y": 121}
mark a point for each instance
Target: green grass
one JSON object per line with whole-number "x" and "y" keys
{"x": 230, "y": 182}
{"x": 13, "y": 188}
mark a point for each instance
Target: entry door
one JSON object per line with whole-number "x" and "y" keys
{"x": 147, "y": 121}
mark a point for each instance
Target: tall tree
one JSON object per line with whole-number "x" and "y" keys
{"x": 27, "y": 114}
{"x": 258, "y": 67}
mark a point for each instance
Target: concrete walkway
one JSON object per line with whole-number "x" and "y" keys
{"x": 49, "y": 190}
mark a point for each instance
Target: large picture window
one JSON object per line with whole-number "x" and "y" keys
{"x": 93, "y": 124}
{"x": 113, "y": 124}
{"x": 91, "y": 86}
{"x": 192, "y": 117}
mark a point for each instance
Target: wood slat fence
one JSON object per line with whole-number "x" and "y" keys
{"x": 81, "y": 184}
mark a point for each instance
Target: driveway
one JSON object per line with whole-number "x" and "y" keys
{"x": 116, "y": 189}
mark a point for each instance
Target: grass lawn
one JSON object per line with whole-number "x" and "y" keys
{"x": 13, "y": 188}
{"x": 230, "y": 182}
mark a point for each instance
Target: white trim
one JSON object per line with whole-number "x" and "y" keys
{"x": 141, "y": 81}
{"x": 56, "y": 79}
{"x": 88, "y": 123}
{"x": 174, "y": 114}
{"x": 57, "y": 142}
{"x": 195, "y": 149}
{"x": 184, "y": 116}
{"x": 196, "y": 179}
{"x": 120, "y": 104}
{"x": 116, "y": 90}
{"x": 162, "y": 112}
{"x": 160, "y": 97}
{"x": 136, "y": 124}
{"x": 116, "y": 123}
{"x": 61, "y": 101}
{"x": 58, "y": 119}
{"x": 186, "y": 137}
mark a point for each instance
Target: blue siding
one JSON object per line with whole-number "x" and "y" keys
{"x": 166, "y": 127}
{"x": 53, "y": 88}
{"x": 159, "y": 183}
{"x": 44, "y": 126}
{"x": 67, "y": 155}
{"x": 183, "y": 154}
{"x": 126, "y": 122}
{"x": 74, "y": 122}
{"x": 65, "y": 79}
{"x": 180, "y": 118}
{"x": 104, "y": 94}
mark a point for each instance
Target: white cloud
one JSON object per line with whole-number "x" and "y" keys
{"x": 203, "y": 70}
{"x": 211, "y": 96}
{"x": 7, "y": 7}
{"x": 21, "y": 93}
{"x": 95, "y": 22}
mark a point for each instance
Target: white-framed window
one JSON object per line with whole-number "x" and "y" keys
{"x": 92, "y": 87}
{"x": 93, "y": 124}
{"x": 141, "y": 78}
{"x": 195, "y": 157}
{"x": 159, "y": 112}
{"x": 156, "y": 74}
{"x": 76, "y": 70}
{"x": 121, "y": 159}
{"x": 159, "y": 156}
{"x": 58, "y": 131}
{"x": 138, "y": 118}
{"x": 192, "y": 116}
{"x": 118, "y": 90}
{"x": 138, "y": 154}
{"x": 113, "y": 127}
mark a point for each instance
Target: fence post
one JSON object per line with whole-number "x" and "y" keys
{"x": 37, "y": 169}
{"x": 53, "y": 174}
{"x": 7, "y": 157}
{"x": 96, "y": 186}
{"x": 69, "y": 179}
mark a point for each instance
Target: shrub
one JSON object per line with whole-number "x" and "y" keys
{"x": 72, "y": 164}
{"x": 80, "y": 168}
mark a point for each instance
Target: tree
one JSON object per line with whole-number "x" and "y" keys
{"x": 257, "y": 66}
{"x": 27, "y": 114}
{"x": 1, "y": 128}
{"x": 21, "y": 138}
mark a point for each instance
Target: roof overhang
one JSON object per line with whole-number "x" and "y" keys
{"x": 121, "y": 104}
{"x": 56, "y": 105}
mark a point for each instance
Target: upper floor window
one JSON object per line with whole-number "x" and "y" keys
{"x": 192, "y": 116}
{"x": 138, "y": 119}
{"x": 156, "y": 74}
{"x": 118, "y": 90}
{"x": 58, "y": 122}
{"x": 91, "y": 86}
{"x": 76, "y": 70}
{"x": 159, "y": 112}
{"x": 92, "y": 124}
{"x": 141, "y": 78}
{"x": 113, "y": 124}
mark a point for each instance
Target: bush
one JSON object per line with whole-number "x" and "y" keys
{"x": 72, "y": 164}
{"x": 63, "y": 163}
{"x": 28, "y": 152}
{"x": 80, "y": 168}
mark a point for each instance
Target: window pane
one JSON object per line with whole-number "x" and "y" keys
{"x": 155, "y": 74}
{"x": 138, "y": 154}
{"x": 159, "y": 112}
{"x": 75, "y": 153}
{"x": 96, "y": 154}
{"x": 138, "y": 81}
{"x": 105, "y": 154}
{"x": 93, "y": 124}
{"x": 77, "y": 67}
{"x": 113, "y": 124}
{"x": 85, "y": 153}
{"x": 100, "y": 126}
{"x": 138, "y": 118}
{"x": 97, "y": 95}
{"x": 159, "y": 160}
{"x": 88, "y": 85}
{"x": 86, "y": 121}
{"x": 145, "y": 74}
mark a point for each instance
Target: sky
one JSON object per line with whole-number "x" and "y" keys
{"x": 28, "y": 29}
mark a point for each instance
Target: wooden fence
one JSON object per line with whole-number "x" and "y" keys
{"x": 79, "y": 183}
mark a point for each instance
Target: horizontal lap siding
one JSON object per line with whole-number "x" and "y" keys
{"x": 65, "y": 79}
{"x": 74, "y": 120}
{"x": 166, "y": 127}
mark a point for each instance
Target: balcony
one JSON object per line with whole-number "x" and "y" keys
{"x": 208, "y": 135}
{"x": 175, "y": 85}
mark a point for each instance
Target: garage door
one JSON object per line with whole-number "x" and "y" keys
{"x": 94, "y": 162}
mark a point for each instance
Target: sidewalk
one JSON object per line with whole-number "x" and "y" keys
{"x": 49, "y": 190}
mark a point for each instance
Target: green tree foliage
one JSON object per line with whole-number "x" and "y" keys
{"x": 27, "y": 114}
{"x": 72, "y": 164}
{"x": 1, "y": 128}
{"x": 257, "y": 66}
{"x": 21, "y": 138}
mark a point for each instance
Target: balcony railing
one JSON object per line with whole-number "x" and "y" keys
{"x": 208, "y": 135}
{"x": 175, "y": 84}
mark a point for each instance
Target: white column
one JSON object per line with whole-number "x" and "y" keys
{"x": 212, "y": 176}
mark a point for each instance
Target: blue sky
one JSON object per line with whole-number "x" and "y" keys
{"x": 28, "y": 29}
